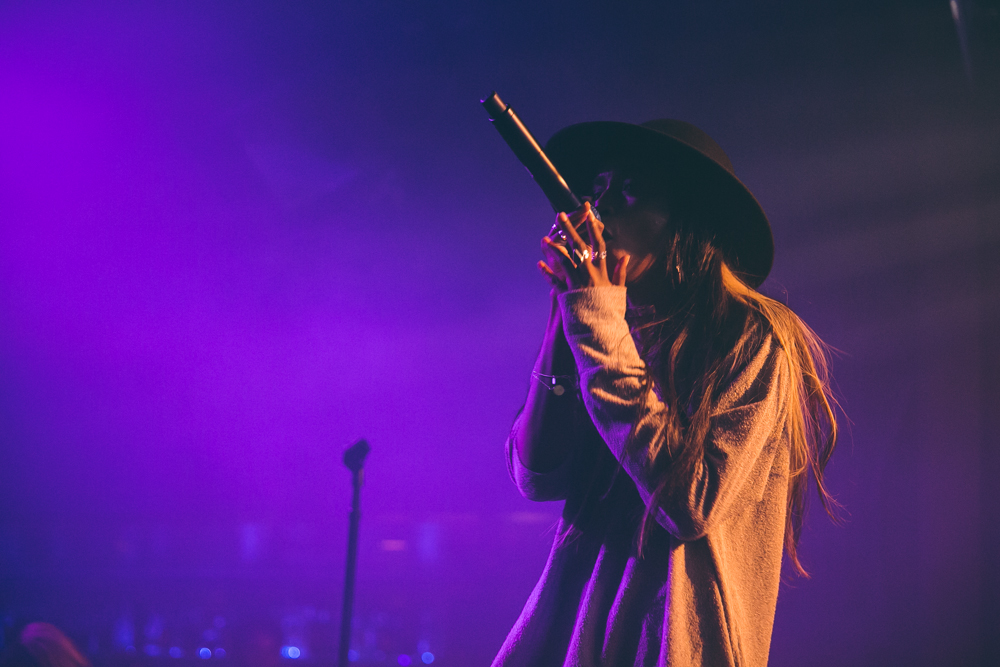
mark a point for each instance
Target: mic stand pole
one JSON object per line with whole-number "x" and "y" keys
{"x": 354, "y": 459}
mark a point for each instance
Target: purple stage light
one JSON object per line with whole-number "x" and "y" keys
{"x": 228, "y": 239}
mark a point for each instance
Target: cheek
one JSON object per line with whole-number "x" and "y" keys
{"x": 647, "y": 228}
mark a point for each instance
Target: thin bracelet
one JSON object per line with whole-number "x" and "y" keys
{"x": 554, "y": 383}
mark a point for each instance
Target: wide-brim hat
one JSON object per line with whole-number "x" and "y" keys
{"x": 702, "y": 173}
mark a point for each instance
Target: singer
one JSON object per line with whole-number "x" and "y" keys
{"x": 678, "y": 412}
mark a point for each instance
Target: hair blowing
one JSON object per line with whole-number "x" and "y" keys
{"x": 704, "y": 328}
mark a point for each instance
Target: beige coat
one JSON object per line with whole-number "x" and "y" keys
{"x": 704, "y": 592}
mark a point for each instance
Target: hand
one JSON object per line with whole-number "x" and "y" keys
{"x": 578, "y": 264}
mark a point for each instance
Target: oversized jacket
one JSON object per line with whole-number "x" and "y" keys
{"x": 705, "y": 589}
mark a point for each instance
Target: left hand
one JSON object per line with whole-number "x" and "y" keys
{"x": 579, "y": 264}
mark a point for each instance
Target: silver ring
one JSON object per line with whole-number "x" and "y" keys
{"x": 557, "y": 234}
{"x": 581, "y": 255}
{"x": 603, "y": 255}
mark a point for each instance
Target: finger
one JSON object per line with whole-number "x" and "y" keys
{"x": 571, "y": 233}
{"x": 556, "y": 251}
{"x": 581, "y": 252}
{"x": 552, "y": 276}
{"x": 595, "y": 228}
{"x": 559, "y": 254}
{"x": 577, "y": 218}
{"x": 556, "y": 233}
{"x": 620, "y": 271}
{"x": 551, "y": 238}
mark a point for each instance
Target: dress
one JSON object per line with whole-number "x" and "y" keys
{"x": 705, "y": 591}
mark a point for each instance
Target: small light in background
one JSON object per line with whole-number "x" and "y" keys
{"x": 291, "y": 652}
{"x": 403, "y": 660}
{"x": 427, "y": 657}
{"x": 428, "y": 542}
{"x": 353, "y": 655}
{"x": 220, "y": 652}
{"x": 251, "y": 542}
{"x": 176, "y": 652}
{"x": 527, "y": 518}
{"x": 124, "y": 632}
{"x": 204, "y": 653}
{"x": 393, "y": 545}
{"x": 154, "y": 628}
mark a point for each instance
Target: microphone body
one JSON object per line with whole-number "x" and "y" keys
{"x": 531, "y": 155}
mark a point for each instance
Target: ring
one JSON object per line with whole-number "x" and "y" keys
{"x": 603, "y": 255}
{"x": 557, "y": 234}
{"x": 581, "y": 255}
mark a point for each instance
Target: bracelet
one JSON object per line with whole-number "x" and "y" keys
{"x": 557, "y": 384}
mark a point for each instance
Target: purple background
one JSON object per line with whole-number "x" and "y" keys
{"x": 235, "y": 237}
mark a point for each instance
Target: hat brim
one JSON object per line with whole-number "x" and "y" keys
{"x": 736, "y": 219}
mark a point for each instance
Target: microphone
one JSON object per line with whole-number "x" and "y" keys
{"x": 531, "y": 155}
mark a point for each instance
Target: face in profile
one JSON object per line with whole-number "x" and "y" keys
{"x": 633, "y": 206}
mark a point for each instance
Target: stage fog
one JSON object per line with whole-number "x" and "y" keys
{"x": 237, "y": 237}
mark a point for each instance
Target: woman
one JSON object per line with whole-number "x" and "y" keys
{"x": 677, "y": 411}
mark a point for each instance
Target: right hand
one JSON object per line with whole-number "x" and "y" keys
{"x": 577, "y": 264}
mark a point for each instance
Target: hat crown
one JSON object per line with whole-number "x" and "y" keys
{"x": 725, "y": 204}
{"x": 693, "y": 137}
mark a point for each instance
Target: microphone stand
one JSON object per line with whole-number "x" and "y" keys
{"x": 354, "y": 459}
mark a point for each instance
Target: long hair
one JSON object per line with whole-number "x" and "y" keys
{"x": 702, "y": 327}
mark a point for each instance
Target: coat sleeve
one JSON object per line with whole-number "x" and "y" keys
{"x": 540, "y": 486}
{"x": 572, "y": 474}
{"x": 746, "y": 427}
